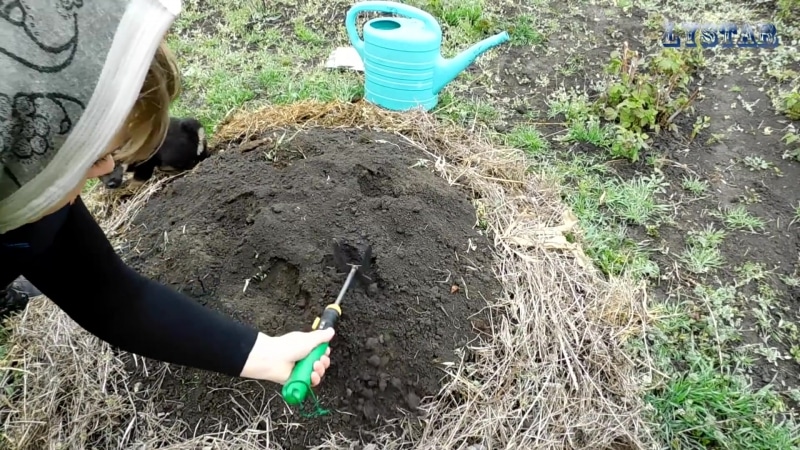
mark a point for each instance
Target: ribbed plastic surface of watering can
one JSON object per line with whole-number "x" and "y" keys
{"x": 403, "y": 67}
{"x": 399, "y": 56}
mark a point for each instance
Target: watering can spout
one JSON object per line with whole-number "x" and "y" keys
{"x": 448, "y": 69}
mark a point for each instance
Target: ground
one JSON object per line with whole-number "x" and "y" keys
{"x": 708, "y": 212}
{"x": 259, "y": 248}
{"x": 705, "y": 210}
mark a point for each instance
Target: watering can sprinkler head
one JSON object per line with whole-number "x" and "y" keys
{"x": 448, "y": 69}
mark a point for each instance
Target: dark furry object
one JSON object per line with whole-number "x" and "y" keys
{"x": 183, "y": 148}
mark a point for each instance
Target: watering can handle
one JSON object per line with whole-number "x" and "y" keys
{"x": 382, "y": 6}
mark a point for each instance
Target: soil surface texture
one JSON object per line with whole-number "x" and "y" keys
{"x": 269, "y": 212}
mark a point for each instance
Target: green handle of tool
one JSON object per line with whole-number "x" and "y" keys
{"x": 299, "y": 383}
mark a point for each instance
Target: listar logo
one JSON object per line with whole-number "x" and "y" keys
{"x": 726, "y": 35}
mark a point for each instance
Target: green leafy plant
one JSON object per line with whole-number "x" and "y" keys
{"x": 628, "y": 143}
{"x": 699, "y": 125}
{"x": 789, "y": 104}
{"x": 469, "y": 15}
{"x": 645, "y": 97}
{"x": 792, "y": 140}
{"x": 788, "y": 9}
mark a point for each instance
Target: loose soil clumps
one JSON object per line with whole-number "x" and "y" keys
{"x": 250, "y": 233}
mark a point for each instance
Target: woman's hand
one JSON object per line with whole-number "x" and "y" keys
{"x": 273, "y": 358}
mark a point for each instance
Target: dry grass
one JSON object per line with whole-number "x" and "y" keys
{"x": 114, "y": 209}
{"x": 552, "y": 375}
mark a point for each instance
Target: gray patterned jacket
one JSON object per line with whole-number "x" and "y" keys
{"x": 70, "y": 71}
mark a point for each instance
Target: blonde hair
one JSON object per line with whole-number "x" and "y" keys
{"x": 147, "y": 124}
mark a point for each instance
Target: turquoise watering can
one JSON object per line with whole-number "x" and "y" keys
{"x": 403, "y": 66}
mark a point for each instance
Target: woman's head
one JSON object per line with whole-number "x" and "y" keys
{"x": 60, "y": 111}
{"x": 147, "y": 123}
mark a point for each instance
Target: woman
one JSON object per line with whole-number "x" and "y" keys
{"x": 78, "y": 82}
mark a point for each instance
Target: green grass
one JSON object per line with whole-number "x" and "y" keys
{"x": 708, "y": 403}
{"x": 704, "y": 399}
{"x": 788, "y": 9}
{"x": 606, "y": 205}
{"x": 90, "y": 184}
{"x": 705, "y": 408}
{"x": 526, "y": 30}
{"x": 245, "y": 62}
{"x": 3, "y": 342}
{"x": 528, "y": 138}
{"x": 702, "y": 254}
{"x": 695, "y": 185}
{"x": 738, "y": 218}
{"x": 465, "y": 111}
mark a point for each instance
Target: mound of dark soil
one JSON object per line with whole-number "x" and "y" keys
{"x": 268, "y": 212}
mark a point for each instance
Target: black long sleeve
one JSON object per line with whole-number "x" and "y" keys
{"x": 76, "y": 267}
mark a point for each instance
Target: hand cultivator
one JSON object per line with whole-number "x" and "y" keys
{"x": 299, "y": 384}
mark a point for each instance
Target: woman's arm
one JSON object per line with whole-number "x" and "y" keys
{"x": 83, "y": 275}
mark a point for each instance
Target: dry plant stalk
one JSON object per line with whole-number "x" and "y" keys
{"x": 115, "y": 214}
{"x": 552, "y": 375}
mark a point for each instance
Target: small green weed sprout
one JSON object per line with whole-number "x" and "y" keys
{"x": 529, "y": 139}
{"x": 755, "y": 162}
{"x": 695, "y": 185}
{"x": 702, "y": 254}
{"x": 738, "y": 218}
